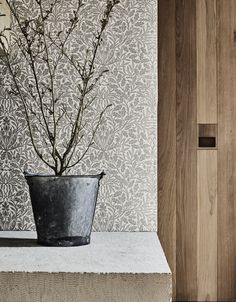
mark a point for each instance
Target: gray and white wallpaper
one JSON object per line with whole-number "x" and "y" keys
{"x": 126, "y": 144}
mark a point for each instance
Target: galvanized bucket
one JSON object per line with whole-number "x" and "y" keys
{"x": 63, "y": 207}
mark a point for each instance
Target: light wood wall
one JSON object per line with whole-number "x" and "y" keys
{"x": 197, "y": 177}
{"x": 167, "y": 146}
{"x": 186, "y": 152}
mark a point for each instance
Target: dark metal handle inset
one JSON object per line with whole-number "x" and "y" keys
{"x": 206, "y": 142}
{"x": 207, "y": 136}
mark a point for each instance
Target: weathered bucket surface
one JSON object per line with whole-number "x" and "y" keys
{"x": 63, "y": 207}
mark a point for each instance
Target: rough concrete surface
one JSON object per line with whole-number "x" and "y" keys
{"x": 107, "y": 253}
{"x": 115, "y": 267}
{"x": 67, "y": 287}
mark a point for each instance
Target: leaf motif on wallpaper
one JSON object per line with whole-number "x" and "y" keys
{"x": 125, "y": 146}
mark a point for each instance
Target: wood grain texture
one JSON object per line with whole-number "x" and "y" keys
{"x": 206, "y": 61}
{"x": 167, "y": 133}
{"x": 186, "y": 176}
{"x": 207, "y": 225}
{"x": 226, "y": 12}
{"x": 208, "y": 130}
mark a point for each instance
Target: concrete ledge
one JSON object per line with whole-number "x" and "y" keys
{"x": 115, "y": 267}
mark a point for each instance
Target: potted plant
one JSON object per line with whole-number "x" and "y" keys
{"x": 40, "y": 57}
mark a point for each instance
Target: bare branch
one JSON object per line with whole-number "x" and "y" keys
{"x": 91, "y": 140}
{"x": 24, "y": 105}
{"x": 87, "y": 77}
{"x": 44, "y": 107}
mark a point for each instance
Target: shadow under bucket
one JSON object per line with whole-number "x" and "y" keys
{"x": 63, "y": 207}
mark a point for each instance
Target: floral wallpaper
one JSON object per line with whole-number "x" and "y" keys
{"x": 126, "y": 144}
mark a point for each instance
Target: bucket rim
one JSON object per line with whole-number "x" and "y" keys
{"x": 38, "y": 175}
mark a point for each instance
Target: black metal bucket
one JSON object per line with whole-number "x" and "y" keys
{"x": 63, "y": 208}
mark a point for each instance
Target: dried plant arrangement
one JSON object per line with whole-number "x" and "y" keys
{"x": 35, "y": 56}
{"x": 54, "y": 76}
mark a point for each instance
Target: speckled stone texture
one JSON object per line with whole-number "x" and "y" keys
{"x": 116, "y": 267}
{"x": 44, "y": 287}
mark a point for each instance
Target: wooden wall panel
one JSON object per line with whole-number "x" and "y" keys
{"x": 186, "y": 176}
{"x": 167, "y": 133}
{"x": 226, "y": 15}
{"x": 207, "y": 225}
{"x": 206, "y": 61}
{"x": 204, "y": 65}
{"x": 207, "y": 118}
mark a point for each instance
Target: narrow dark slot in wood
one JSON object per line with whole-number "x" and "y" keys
{"x": 207, "y": 142}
